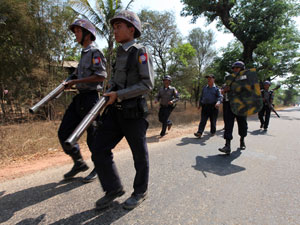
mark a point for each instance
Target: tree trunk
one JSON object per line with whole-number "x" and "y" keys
{"x": 248, "y": 52}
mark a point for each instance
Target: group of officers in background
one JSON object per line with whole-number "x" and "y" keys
{"x": 210, "y": 100}
{"x": 126, "y": 111}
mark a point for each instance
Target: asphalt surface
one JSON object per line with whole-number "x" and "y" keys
{"x": 190, "y": 183}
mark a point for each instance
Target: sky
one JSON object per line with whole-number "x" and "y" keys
{"x": 183, "y": 23}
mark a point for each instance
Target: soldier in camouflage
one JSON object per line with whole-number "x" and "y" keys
{"x": 229, "y": 116}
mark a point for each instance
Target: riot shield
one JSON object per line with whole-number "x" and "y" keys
{"x": 244, "y": 95}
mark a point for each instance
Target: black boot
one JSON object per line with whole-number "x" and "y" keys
{"x": 79, "y": 165}
{"x": 242, "y": 144}
{"x": 226, "y": 149}
{"x": 91, "y": 177}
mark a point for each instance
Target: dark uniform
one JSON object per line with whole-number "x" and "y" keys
{"x": 229, "y": 117}
{"x": 209, "y": 98}
{"x": 166, "y": 95}
{"x": 132, "y": 78}
{"x": 92, "y": 62}
{"x": 265, "y": 112}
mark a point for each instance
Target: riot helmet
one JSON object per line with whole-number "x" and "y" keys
{"x": 267, "y": 83}
{"x": 87, "y": 27}
{"x": 167, "y": 77}
{"x": 131, "y": 18}
{"x": 238, "y": 64}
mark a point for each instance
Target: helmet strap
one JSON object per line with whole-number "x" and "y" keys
{"x": 84, "y": 34}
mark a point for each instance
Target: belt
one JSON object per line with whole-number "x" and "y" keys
{"x": 87, "y": 91}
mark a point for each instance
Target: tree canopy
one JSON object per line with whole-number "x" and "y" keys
{"x": 250, "y": 21}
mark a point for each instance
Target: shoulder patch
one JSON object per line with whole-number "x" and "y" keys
{"x": 143, "y": 58}
{"x": 96, "y": 60}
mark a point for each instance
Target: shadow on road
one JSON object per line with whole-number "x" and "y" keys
{"x": 202, "y": 141}
{"x": 93, "y": 217}
{"x": 32, "y": 221}
{"x": 218, "y": 164}
{"x": 11, "y": 203}
{"x": 152, "y": 139}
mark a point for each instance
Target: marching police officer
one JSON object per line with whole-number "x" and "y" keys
{"x": 133, "y": 77}
{"x": 168, "y": 96}
{"x": 210, "y": 101}
{"x": 265, "y": 112}
{"x": 90, "y": 72}
{"x": 229, "y": 116}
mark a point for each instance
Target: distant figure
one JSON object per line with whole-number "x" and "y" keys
{"x": 265, "y": 112}
{"x": 210, "y": 101}
{"x": 167, "y": 96}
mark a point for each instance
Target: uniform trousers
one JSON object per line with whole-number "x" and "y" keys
{"x": 211, "y": 112}
{"x": 163, "y": 116}
{"x": 81, "y": 104}
{"x": 112, "y": 130}
{"x": 229, "y": 117}
{"x": 264, "y": 112}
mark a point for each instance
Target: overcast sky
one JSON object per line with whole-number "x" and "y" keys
{"x": 183, "y": 23}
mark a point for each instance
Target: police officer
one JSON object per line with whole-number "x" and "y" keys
{"x": 267, "y": 97}
{"x": 210, "y": 101}
{"x": 132, "y": 78}
{"x": 229, "y": 116}
{"x": 90, "y": 72}
{"x": 168, "y": 96}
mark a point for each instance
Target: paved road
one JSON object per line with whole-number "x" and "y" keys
{"x": 190, "y": 183}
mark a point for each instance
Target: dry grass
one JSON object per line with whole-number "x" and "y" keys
{"x": 28, "y": 141}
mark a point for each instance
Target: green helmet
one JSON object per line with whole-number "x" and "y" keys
{"x": 131, "y": 18}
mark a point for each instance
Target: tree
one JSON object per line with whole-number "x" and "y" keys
{"x": 274, "y": 58}
{"x": 100, "y": 14}
{"x": 182, "y": 68}
{"x": 159, "y": 35}
{"x": 34, "y": 37}
{"x": 250, "y": 21}
{"x": 277, "y": 57}
{"x": 202, "y": 41}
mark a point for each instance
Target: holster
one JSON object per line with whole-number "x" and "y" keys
{"x": 134, "y": 108}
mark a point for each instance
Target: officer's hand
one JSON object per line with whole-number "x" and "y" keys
{"x": 217, "y": 105}
{"x": 112, "y": 97}
{"x": 68, "y": 84}
{"x": 170, "y": 103}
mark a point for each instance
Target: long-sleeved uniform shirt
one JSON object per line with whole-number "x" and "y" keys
{"x": 136, "y": 80}
{"x": 210, "y": 95}
{"x": 92, "y": 62}
{"x": 165, "y": 95}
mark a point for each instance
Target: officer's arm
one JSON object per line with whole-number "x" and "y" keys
{"x": 219, "y": 96}
{"x": 146, "y": 74}
{"x": 98, "y": 70}
{"x": 175, "y": 96}
{"x": 157, "y": 97}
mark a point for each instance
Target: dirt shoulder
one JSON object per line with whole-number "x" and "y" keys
{"x": 23, "y": 166}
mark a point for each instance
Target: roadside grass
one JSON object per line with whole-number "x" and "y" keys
{"x": 33, "y": 140}
{"x": 27, "y": 141}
